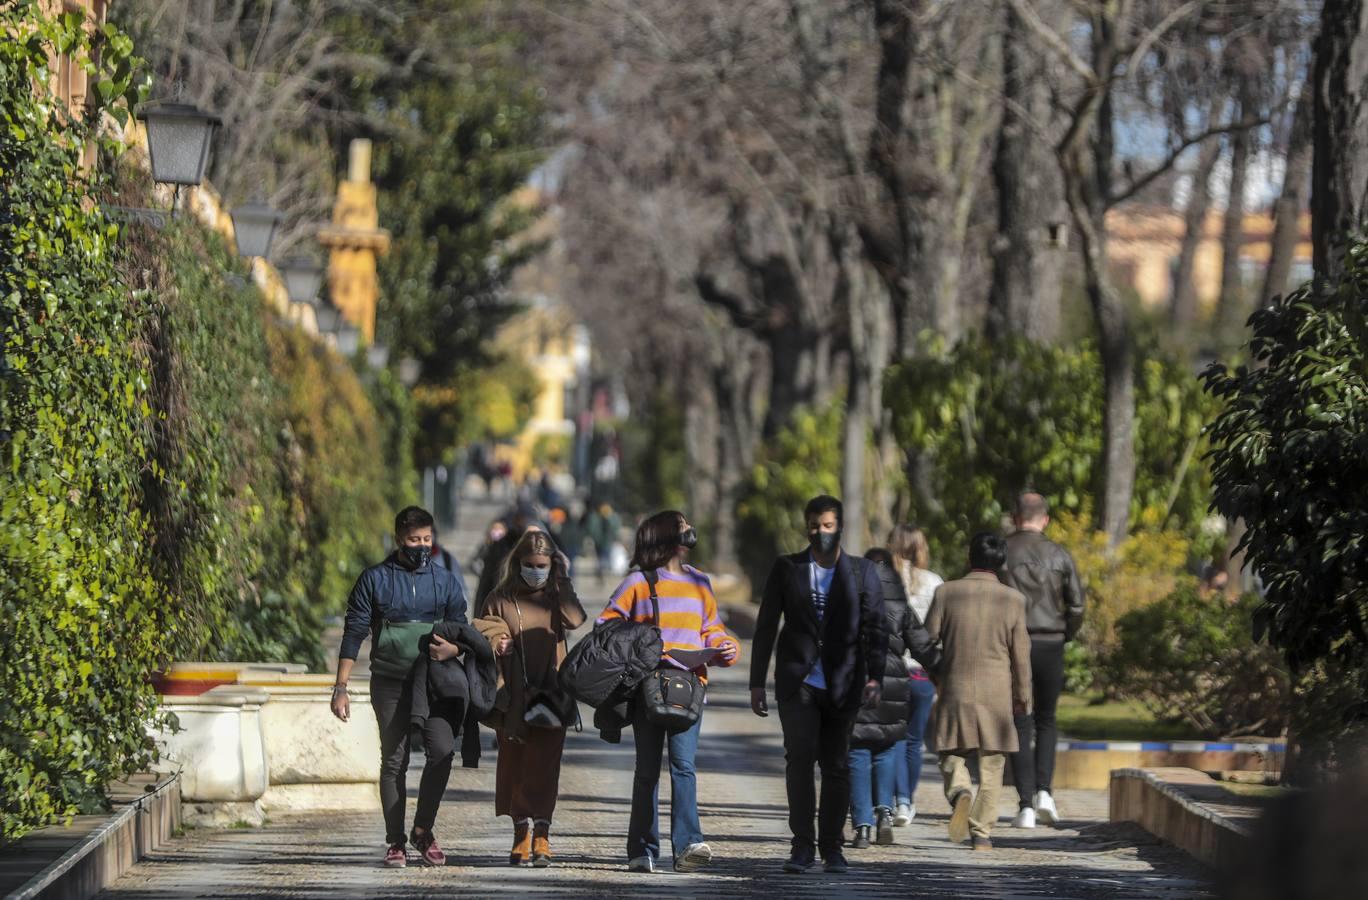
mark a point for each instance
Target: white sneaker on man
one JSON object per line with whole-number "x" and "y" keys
{"x": 1045, "y": 808}
{"x": 641, "y": 864}
{"x": 904, "y": 814}
{"x": 1025, "y": 818}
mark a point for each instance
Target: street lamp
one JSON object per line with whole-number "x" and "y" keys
{"x": 409, "y": 371}
{"x": 178, "y": 138}
{"x": 327, "y": 316}
{"x": 348, "y": 340}
{"x": 377, "y": 355}
{"x": 303, "y": 277}
{"x": 254, "y": 227}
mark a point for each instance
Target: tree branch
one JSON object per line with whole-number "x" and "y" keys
{"x": 1052, "y": 40}
{"x": 1139, "y": 184}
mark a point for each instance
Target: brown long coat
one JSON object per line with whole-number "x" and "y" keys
{"x": 981, "y": 625}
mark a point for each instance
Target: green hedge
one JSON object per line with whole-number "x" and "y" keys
{"x": 185, "y": 476}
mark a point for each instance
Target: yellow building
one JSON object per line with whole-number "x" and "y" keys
{"x": 355, "y": 241}
{"x": 1143, "y": 243}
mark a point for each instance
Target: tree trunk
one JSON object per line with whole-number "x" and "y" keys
{"x": 1185, "y": 301}
{"x": 1339, "y": 192}
{"x": 1288, "y": 209}
{"x": 739, "y": 379}
{"x": 868, "y": 357}
{"x": 1230, "y": 314}
{"x": 1027, "y": 263}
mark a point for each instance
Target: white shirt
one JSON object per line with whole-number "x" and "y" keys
{"x": 819, "y": 581}
{"x": 920, "y": 586}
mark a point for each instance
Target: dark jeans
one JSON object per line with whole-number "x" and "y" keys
{"x": 816, "y": 733}
{"x": 643, "y": 831}
{"x": 390, "y": 698}
{"x": 921, "y": 698}
{"x": 1033, "y": 764}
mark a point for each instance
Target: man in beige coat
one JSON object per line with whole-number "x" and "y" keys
{"x": 984, "y": 681}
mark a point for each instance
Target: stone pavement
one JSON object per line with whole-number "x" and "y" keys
{"x": 744, "y": 817}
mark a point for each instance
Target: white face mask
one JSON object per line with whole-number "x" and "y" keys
{"x": 535, "y": 577}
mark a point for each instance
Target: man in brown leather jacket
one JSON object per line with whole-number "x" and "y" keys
{"x": 1045, "y": 574}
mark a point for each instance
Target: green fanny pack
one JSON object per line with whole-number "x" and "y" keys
{"x": 395, "y": 648}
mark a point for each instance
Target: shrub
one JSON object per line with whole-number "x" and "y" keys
{"x": 1290, "y": 458}
{"x": 82, "y": 616}
{"x": 1193, "y": 658}
{"x": 984, "y": 420}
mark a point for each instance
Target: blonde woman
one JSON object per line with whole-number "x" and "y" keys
{"x": 912, "y": 559}
{"x": 535, "y": 598}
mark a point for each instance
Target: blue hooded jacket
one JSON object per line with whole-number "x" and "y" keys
{"x": 394, "y": 592}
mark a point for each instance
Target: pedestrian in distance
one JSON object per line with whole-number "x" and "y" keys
{"x": 523, "y": 518}
{"x": 1045, "y": 574}
{"x": 396, "y": 604}
{"x": 662, "y": 589}
{"x": 876, "y": 746}
{"x": 602, "y": 525}
{"x": 537, "y": 601}
{"x": 985, "y": 680}
{"x": 828, "y": 662}
{"x": 912, "y": 558}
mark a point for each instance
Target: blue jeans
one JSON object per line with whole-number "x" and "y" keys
{"x": 867, "y": 792}
{"x": 643, "y": 832}
{"x": 921, "y": 697}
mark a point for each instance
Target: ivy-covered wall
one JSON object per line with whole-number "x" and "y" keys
{"x": 184, "y": 475}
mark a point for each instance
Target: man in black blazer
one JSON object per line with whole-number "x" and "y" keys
{"x": 829, "y": 662}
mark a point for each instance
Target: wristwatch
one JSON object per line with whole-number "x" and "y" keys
{"x": 339, "y": 687}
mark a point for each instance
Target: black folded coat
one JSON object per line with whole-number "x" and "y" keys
{"x": 471, "y": 677}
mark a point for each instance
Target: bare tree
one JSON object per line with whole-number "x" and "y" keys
{"x": 1184, "y": 304}
{"x": 1292, "y": 202}
{"x": 1339, "y": 192}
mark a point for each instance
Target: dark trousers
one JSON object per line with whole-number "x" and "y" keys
{"x": 1037, "y": 732}
{"x": 390, "y": 698}
{"x": 816, "y": 732}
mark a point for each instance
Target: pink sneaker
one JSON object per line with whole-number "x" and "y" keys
{"x": 395, "y": 857}
{"x": 426, "y": 845}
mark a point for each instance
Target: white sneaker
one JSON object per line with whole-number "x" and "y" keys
{"x": 1045, "y": 808}
{"x": 641, "y": 864}
{"x": 696, "y": 856}
{"x": 904, "y": 814}
{"x": 1025, "y": 818}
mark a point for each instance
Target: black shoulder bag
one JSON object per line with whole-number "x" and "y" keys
{"x": 671, "y": 698}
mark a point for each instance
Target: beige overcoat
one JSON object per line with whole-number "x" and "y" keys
{"x": 981, "y": 626}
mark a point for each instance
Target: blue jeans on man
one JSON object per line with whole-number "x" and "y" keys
{"x": 643, "y": 831}
{"x": 921, "y": 697}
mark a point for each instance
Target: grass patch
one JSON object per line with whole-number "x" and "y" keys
{"x": 1091, "y": 718}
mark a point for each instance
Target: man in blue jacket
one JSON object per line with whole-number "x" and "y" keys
{"x": 396, "y": 603}
{"x": 829, "y": 660}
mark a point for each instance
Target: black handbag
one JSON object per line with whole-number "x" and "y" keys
{"x": 544, "y": 708}
{"x": 670, "y": 698}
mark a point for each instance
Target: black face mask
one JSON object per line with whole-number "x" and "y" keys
{"x": 688, "y": 538}
{"x": 418, "y": 556}
{"x": 824, "y": 541}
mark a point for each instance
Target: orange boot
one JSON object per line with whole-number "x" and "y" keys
{"x": 522, "y": 844}
{"x": 541, "y": 845}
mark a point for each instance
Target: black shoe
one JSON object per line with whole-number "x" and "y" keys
{"x": 835, "y": 863}
{"x": 883, "y": 826}
{"x": 861, "y": 841}
{"x": 800, "y": 860}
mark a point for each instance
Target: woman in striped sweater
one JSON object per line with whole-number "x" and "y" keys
{"x": 688, "y": 621}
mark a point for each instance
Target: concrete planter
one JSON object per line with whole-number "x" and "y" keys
{"x": 219, "y": 753}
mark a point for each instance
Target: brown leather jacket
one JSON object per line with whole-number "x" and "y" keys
{"x": 1045, "y": 573}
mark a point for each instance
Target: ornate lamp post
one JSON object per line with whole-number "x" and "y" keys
{"x": 348, "y": 340}
{"x": 178, "y": 139}
{"x": 327, "y": 316}
{"x": 377, "y": 355}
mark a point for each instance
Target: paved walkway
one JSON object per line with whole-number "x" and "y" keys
{"x": 741, "y": 793}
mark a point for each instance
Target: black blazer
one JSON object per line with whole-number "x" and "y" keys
{"x": 851, "y": 640}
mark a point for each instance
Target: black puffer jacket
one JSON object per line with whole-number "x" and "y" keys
{"x": 886, "y": 724}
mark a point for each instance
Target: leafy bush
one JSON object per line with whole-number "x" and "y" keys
{"x": 1142, "y": 570}
{"x": 83, "y": 617}
{"x": 1290, "y": 458}
{"x": 1193, "y": 658}
{"x": 984, "y": 420}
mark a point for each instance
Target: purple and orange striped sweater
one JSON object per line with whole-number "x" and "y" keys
{"x": 688, "y": 610}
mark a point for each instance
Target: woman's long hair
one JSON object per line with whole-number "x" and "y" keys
{"x": 532, "y": 543}
{"x": 657, "y": 539}
{"x": 911, "y": 553}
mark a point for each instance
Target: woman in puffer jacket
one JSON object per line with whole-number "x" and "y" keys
{"x": 873, "y": 745}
